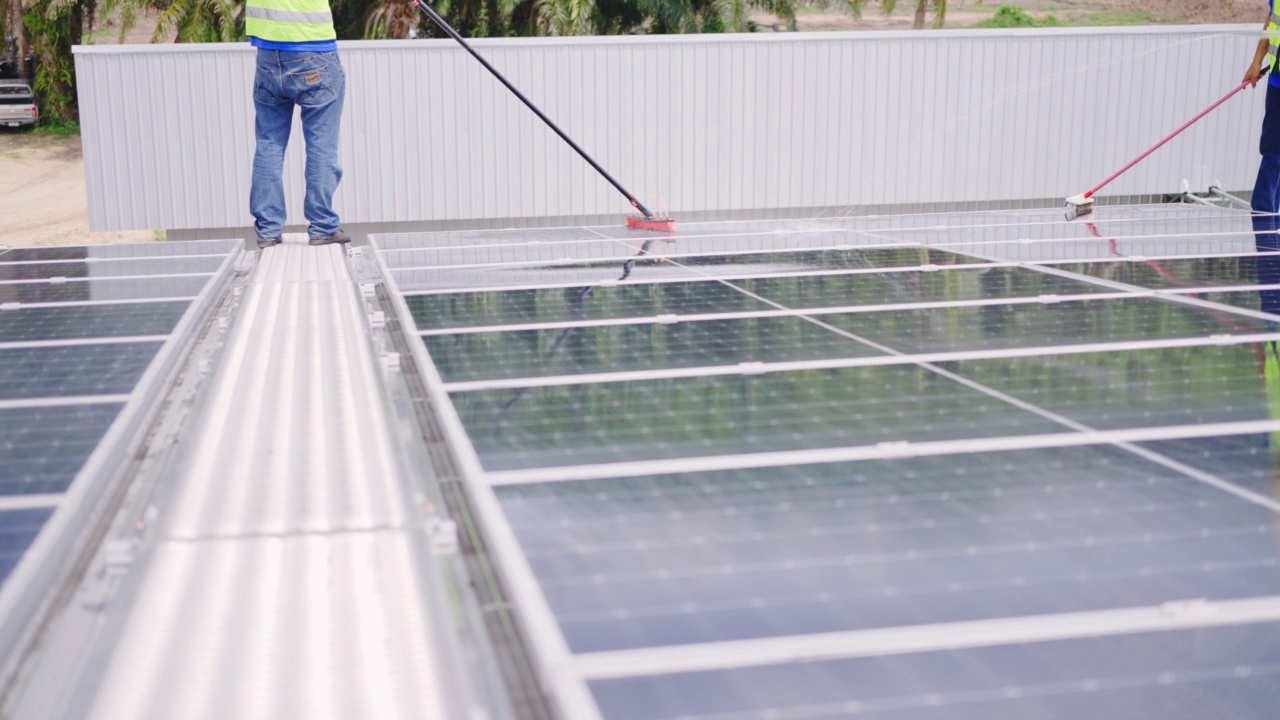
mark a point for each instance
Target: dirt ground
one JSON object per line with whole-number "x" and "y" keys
{"x": 42, "y": 196}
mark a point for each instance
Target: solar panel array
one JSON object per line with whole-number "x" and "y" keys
{"x": 78, "y": 328}
{"x": 827, "y": 468}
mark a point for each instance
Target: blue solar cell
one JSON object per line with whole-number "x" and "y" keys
{"x": 17, "y": 529}
{"x": 726, "y": 415}
{"x": 1225, "y": 673}
{"x": 715, "y": 556}
{"x": 90, "y": 321}
{"x": 47, "y": 372}
{"x": 43, "y": 448}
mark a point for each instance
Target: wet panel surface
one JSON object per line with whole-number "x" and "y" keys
{"x": 1138, "y": 388}
{"x": 121, "y": 252}
{"x": 1069, "y": 322}
{"x": 104, "y": 290}
{"x": 575, "y": 304}
{"x": 111, "y": 268}
{"x": 653, "y": 346}
{"x": 650, "y": 268}
{"x": 645, "y": 420}
{"x": 90, "y": 321}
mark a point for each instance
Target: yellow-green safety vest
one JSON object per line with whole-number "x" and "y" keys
{"x": 289, "y": 20}
{"x": 1273, "y": 34}
{"x": 1271, "y": 380}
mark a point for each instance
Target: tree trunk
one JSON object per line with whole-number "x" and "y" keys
{"x": 921, "y": 6}
{"x": 13, "y": 28}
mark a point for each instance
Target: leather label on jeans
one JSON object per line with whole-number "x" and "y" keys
{"x": 312, "y": 79}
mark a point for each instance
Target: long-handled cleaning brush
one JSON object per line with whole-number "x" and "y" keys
{"x": 1082, "y": 204}
{"x": 646, "y": 220}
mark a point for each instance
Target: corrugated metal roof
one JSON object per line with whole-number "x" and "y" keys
{"x": 706, "y": 122}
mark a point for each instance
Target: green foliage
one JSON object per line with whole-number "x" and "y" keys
{"x": 565, "y": 17}
{"x": 200, "y": 21}
{"x": 1009, "y": 16}
{"x": 54, "y": 27}
{"x": 57, "y": 128}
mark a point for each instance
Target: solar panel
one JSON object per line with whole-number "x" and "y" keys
{"x": 116, "y": 252}
{"x": 1180, "y": 675}
{"x": 90, "y": 321}
{"x": 62, "y": 371}
{"x": 124, "y": 267}
{"x": 79, "y": 327}
{"x": 829, "y": 468}
{"x": 711, "y": 557}
{"x": 45, "y": 446}
{"x": 183, "y": 286}
{"x": 574, "y": 350}
{"x": 1210, "y": 272}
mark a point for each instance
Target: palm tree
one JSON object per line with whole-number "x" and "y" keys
{"x": 185, "y": 21}
{"x": 53, "y": 27}
{"x": 197, "y": 21}
{"x": 939, "y": 10}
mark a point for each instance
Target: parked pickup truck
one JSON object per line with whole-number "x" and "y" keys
{"x": 17, "y": 104}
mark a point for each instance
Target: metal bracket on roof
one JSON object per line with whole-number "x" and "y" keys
{"x": 442, "y": 536}
{"x": 1216, "y": 189}
{"x": 367, "y": 290}
{"x": 390, "y": 361}
{"x": 377, "y": 319}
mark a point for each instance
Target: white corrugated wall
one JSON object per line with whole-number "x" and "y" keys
{"x": 709, "y": 123}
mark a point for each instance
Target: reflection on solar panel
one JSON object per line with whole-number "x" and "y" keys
{"x": 938, "y": 466}
{"x": 79, "y": 326}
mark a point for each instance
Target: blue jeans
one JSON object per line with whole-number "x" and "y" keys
{"x": 316, "y": 83}
{"x": 1266, "y": 199}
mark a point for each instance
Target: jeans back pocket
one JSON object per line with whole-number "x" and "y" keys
{"x": 313, "y": 87}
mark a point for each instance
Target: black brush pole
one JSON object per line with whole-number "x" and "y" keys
{"x": 435, "y": 17}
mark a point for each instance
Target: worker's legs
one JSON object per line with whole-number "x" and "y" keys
{"x": 1266, "y": 192}
{"x": 273, "y": 120}
{"x": 319, "y": 86}
{"x": 1266, "y": 203}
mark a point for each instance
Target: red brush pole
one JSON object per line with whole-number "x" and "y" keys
{"x": 1161, "y": 144}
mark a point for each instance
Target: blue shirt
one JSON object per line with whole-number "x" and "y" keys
{"x": 317, "y": 46}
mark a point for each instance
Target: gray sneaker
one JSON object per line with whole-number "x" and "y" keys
{"x": 337, "y": 237}
{"x": 269, "y": 242}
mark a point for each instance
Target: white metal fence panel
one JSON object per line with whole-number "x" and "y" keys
{"x": 709, "y": 123}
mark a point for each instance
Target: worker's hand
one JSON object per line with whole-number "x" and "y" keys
{"x": 1253, "y": 76}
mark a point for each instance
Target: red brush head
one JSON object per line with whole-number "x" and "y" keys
{"x": 657, "y": 224}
